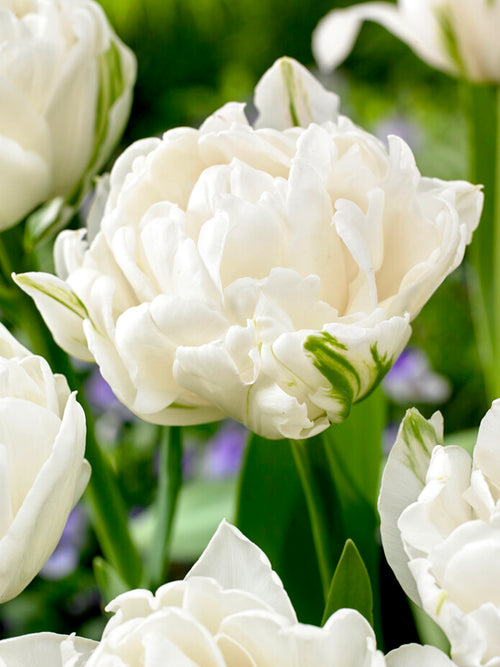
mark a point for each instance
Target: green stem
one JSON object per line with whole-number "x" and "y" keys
{"x": 483, "y": 107}
{"x": 109, "y": 514}
{"x": 169, "y": 486}
{"x": 319, "y": 524}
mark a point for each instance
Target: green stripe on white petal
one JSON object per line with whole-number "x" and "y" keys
{"x": 353, "y": 360}
{"x": 61, "y": 309}
{"x": 403, "y": 480}
{"x": 289, "y": 96}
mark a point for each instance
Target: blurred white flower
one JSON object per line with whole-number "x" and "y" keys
{"x": 42, "y": 469}
{"x": 66, "y": 87}
{"x": 457, "y": 36}
{"x": 230, "y": 611}
{"x": 440, "y": 524}
{"x": 264, "y": 274}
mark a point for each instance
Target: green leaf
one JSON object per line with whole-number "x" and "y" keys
{"x": 272, "y": 512}
{"x": 46, "y": 221}
{"x": 350, "y": 587}
{"x": 354, "y": 451}
{"x": 108, "y": 580}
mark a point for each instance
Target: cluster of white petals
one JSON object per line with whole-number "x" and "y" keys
{"x": 42, "y": 469}
{"x": 230, "y": 611}
{"x": 440, "y": 512}
{"x": 457, "y": 36}
{"x": 65, "y": 84}
{"x": 268, "y": 274}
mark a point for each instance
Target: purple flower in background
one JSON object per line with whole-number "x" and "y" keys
{"x": 412, "y": 380}
{"x": 66, "y": 555}
{"x": 102, "y": 398}
{"x": 401, "y": 127}
{"x": 224, "y": 452}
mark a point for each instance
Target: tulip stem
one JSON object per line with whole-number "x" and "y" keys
{"x": 169, "y": 486}
{"x": 319, "y": 523}
{"x": 483, "y": 106}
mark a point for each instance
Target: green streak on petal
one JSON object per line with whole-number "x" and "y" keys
{"x": 445, "y": 19}
{"x": 294, "y": 90}
{"x": 327, "y": 356}
{"x": 419, "y": 438}
{"x": 66, "y": 298}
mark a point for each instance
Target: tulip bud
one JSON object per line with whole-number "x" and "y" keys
{"x": 66, "y": 88}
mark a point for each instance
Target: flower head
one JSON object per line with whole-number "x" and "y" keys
{"x": 440, "y": 512}
{"x": 268, "y": 274}
{"x": 66, "y": 84}
{"x": 230, "y": 611}
{"x": 457, "y": 36}
{"x": 42, "y": 469}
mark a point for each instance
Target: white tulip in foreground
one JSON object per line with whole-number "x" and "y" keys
{"x": 42, "y": 469}
{"x": 268, "y": 274}
{"x": 457, "y": 36}
{"x": 230, "y": 611}
{"x": 66, "y": 85}
{"x": 440, "y": 515}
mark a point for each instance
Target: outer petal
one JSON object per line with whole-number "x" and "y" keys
{"x": 413, "y": 655}
{"x": 236, "y": 563}
{"x": 39, "y": 523}
{"x": 61, "y": 309}
{"x": 402, "y": 481}
{"x": 288, "y": 95}
{"x": 46, "y": 649}
{"x": 487, "y": 449}
{"x": 336, "y": 33}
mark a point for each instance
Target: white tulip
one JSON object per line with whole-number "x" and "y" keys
{"x": 229, "y": 611}
{"x": 42, "y": 469}
{"x": 66, "y": 85}
{"x": 457, "y": 36}
{"x": 265, "y": 274}
{"x": 440, "y": 513}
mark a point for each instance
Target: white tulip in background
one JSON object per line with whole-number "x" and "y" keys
{"x": 457, "y": 36}
{"x": 265, "y": 274}
{"x": 42, "y": 469}
{"x": 440, "y": 514}
{"x": 230, "y": 611}
{"x": 66, "y": 88}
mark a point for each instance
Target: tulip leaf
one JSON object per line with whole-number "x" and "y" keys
{"x": 350, "y": 585}
{"x": 272, "y": 512}
{"x": 108, "y": 580}
{"x": 46, "y": 221}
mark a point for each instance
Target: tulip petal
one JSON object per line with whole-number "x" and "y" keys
{"x": 61, "y": 309}
{"x": 413, "y": 655}
{"x": 288, "y": 95}
{"x": 487, "y": 449}
{"x": 46, "y": 649}
{"x": 403, "y": 479}
{"x": 236, "y": 563}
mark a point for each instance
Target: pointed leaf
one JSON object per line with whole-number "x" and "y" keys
{"x": 108, "y": 580}
{"x": 350, "y": 587}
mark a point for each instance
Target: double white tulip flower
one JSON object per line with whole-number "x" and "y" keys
{"x": 440, "y": 524}
{"x": 268, "y": 274}
{"x": 230, "y": 611}
{"x": 457, "y": 36}
{"x": 65, "y": 88}
{"x": 42, "y": 469}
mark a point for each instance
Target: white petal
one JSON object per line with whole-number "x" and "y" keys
{"x": 403, "y": 479}
{"x": 61, "y": 309}
{"x": 288, "y": 95}
{"x": 46, "y": 649}
{"x": 413, "y": 655}
{"x": 487, "y": 449}
{"x": 236, "y": 563}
